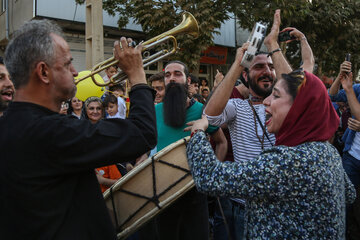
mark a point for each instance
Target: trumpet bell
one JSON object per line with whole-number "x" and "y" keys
{"x": 188, "y": 25}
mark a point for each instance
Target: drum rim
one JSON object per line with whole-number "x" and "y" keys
{"x": 143, "y": 165}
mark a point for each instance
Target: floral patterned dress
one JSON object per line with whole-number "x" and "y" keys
{"x": 292, "y": 192}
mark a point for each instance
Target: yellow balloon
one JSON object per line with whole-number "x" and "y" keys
{"x": 87, "y": 88}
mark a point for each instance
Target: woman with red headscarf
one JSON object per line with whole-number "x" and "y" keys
{"x": 296, "y": 189}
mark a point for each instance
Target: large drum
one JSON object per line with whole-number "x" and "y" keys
{"x": 149, "y": 188}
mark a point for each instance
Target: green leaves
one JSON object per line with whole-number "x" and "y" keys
{"x": 332, "y": 27}
{"x": 159, "y": 16}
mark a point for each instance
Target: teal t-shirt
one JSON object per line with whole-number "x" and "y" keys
{"x": 167, "y": 134}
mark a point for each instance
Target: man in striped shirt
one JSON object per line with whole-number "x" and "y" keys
{"x": 245, "y": 119}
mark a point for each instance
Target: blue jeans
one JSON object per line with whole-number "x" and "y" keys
{"x": 234, "y": 213}
{"x": 352, "y": 168}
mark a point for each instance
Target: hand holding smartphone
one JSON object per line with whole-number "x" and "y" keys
{"x": 348, "y": 59}
{"x": 285, "y": 36}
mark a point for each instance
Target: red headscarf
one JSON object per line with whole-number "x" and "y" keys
{"x": 312, "y": 116}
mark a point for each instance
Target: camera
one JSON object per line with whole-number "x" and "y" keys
{"x": 64, "y": 105}
{"x": 256, "y": 39}
{"x": 285, "y": 36}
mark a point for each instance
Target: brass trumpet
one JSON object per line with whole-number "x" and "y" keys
{"x": 188, "y": 25}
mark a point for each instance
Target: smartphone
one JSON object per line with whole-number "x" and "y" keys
{"x": 348, "y": 57}
{"x": 285, "y": 36}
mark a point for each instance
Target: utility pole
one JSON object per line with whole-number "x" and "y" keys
{"x": 94, "y": 36}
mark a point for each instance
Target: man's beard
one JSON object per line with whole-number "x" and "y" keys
{"x": 175, "y": 104}
{"x": 70, "y": 92}
{"x": 3, "y": 105}
{"x": 260, "y": 91}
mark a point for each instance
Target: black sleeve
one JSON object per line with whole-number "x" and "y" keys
{"x": 78, "y": 144}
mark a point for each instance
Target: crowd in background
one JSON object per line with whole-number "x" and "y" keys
{"x": 236, "y": 109}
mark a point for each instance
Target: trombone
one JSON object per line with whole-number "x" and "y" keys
{"x": 188, "y": 25}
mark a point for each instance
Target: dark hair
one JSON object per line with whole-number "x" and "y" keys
{"x": 204, "y": 89}
{"x": 157, "y": 77}
{"x": 1, "y": 60}
{"x": 242, "y": 79}
{"x": 256, "y": 54}
{"x": 109, "y": 99}
{"x": 199, "y": 98}
{"x": 194, "y": 79}
{"x": 186, "y": 69}
{"x": 294, "y": 81}
{"x": 206, "y": 81}
{"x": 117, "y": 87}
{"x": 71, "y": 109}
{"x": 114, "y": 66}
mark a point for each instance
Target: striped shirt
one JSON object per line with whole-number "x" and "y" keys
{"x": 243, "y": 125}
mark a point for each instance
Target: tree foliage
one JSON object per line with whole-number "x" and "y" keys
{"x": 158, "y": 16}
{"x": 332, "y": 27}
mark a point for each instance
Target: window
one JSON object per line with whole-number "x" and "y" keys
{"x": 3, "y": 5}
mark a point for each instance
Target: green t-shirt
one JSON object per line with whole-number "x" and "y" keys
{"x": 167, "y": 134}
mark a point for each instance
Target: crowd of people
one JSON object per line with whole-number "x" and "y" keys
{"x": 276, "y": 153}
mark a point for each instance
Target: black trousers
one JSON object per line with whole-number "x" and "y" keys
{"x": 186, "y": 219}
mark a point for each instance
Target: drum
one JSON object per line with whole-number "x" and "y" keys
{"x": 149, "y": 188}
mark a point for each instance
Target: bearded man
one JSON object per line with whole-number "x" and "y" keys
{"x": 246, "y": 118}
{"x": 6, "y": 87}
{"x": 188, "y": 217}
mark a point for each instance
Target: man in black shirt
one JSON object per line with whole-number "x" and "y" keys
{"x": 48, "y": 187}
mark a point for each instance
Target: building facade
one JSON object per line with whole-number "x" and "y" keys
{"x": 71, "y": 17}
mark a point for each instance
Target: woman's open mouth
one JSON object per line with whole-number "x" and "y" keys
{"x": 268, "y": 117}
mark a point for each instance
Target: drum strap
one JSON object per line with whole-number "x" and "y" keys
{"x": 155, "y": 197}
{"x": 114, "y": 208}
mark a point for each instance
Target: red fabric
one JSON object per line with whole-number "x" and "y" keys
{"x": 311, "y": 117}
{"x": 236, "y": 94}
{"x": 110, "y": 172}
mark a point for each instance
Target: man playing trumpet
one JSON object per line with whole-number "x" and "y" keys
{"x": 48, "y": 187}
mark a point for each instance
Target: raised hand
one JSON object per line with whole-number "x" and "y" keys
{"x": 270, "y": 40}
{"x": 294, "y": 33}
{"x": 201, "y": 124}
{"x": 130, "y": 60}
{"x": 347, "y": 81}
{"x": 354, "y": 124}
